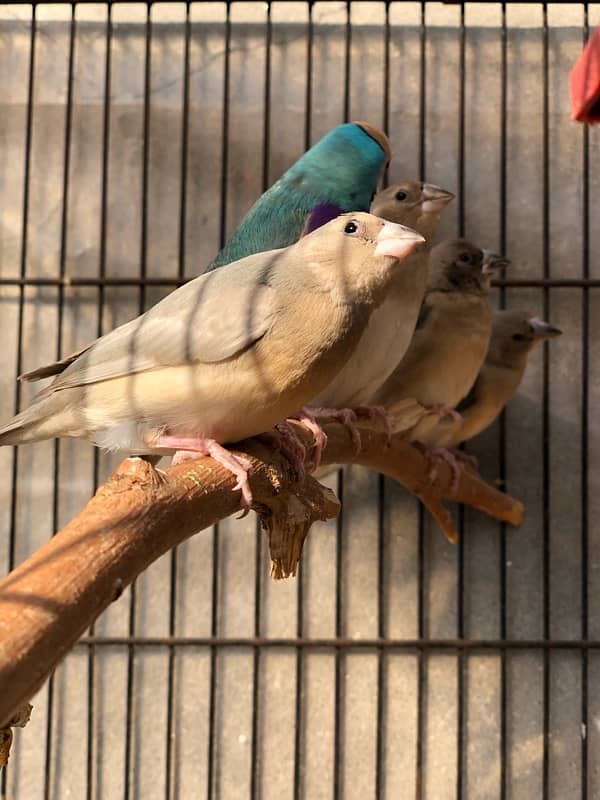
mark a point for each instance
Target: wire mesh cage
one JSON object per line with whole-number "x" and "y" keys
{"x": 133, "y": 139}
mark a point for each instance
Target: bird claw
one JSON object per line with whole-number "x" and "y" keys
{"x": 181, "y": 456}
{"x": 447, "y": 411}
{"x": 346, "y": 416}
{"x": 307, "y": 417}
{"x": 187, "y": 448}
{"x": 456, "y": 460}
{"x": 377, "y": 412}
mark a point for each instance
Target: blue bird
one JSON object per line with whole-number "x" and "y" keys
{"x": 341, "y": 169}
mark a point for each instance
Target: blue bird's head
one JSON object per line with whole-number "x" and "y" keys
{"x": 342, "y": 169}
{"x": 344, "y": 166}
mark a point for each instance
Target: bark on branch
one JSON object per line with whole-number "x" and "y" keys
{"x": 51, "y": 599}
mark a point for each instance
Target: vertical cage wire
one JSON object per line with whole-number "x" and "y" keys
{"x": 546, "y": 397}
{"x": 462, "y": 665}
{"x": 421, "y": 631}
{"x": 215, "y": 546}
{"x": 585, "y": 365}
{"x": 90, "y": 749}
{"x": 502, "y": 551}
{"x": 170, "y": 733}
{"x": 380, "y": 765}
{"x": 59, "y": 348}
{"x": 19, "y": 335}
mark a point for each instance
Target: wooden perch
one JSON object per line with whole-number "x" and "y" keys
{"x": 18, "y": 720}
{"x": 52, "y": 598}
{"x": 409, "y": 466}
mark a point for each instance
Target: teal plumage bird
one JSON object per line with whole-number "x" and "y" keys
{"x": 342, "y": 168}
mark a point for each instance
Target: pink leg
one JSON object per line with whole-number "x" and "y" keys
{"x": 455, "y": 459}
{"x": 308, "y": 418}
{"x": 181, "y": 456}
{"x": 344, "y": 415}
{"x": 377, "y": 412}
{"x": 447, "y": 411}
{"x": 187, "y": 448}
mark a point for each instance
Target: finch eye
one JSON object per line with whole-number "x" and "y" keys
{"x": 401, "y": 195}
{"x": 465, "y": 258}
{"x": 351, "y": 227}
{"x": 518, "y": 337}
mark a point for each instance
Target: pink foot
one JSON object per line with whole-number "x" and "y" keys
{"x": 455, "y": 459}
{"x": 181, "y": 456}
{"x": 308, "y": 418}
{"x": 187, "y": 448}
{"x": 377, "y": 412}
{"x": 447, "y": 411}
{"x": 344, "y": 415}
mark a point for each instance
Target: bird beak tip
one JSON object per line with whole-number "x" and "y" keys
{"x": 434, "y": 198}
{"x": 552, "y": 332}
{"x": 544, "y": 330}
{"x": 492, "y": 263}
{"x": 397, "y": 240}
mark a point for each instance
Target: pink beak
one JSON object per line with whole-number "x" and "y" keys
{"x": 435, "y": 199}
{"x": 396, "y": 240}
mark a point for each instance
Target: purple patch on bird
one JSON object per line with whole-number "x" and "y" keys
{"x": 320, "y": 215}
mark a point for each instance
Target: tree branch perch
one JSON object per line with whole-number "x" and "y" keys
{"x": 48, "y": 602}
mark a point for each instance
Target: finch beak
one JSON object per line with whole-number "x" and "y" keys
{"x": 543, "y": 330}
{"x": 493, "y": 263}
{"x": 397, "y": 240}
{"x": 434, "y": 198}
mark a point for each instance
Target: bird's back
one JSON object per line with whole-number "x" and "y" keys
{"x": 342, "y": 168}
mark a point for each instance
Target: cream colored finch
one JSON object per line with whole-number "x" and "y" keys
{"x": 226, "y": 356}
{"x": 389, "y": 331}
{"x": 451, "y": 337}
{"x": 515, "y": 333}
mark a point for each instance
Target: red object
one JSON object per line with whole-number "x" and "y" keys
{"x": 585, "y": 82}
